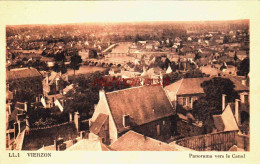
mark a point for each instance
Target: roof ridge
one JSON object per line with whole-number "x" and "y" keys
{"x": 126, "y": 89}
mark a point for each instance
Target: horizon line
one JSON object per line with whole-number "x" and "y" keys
{"x": 118, "y": 22}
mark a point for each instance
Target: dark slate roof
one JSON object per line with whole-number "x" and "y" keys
{"x": 132, "y": 141}
{"x": 143, "y": 104}
{"x": 99, "y": 122}
{"x": 22, "y": 73}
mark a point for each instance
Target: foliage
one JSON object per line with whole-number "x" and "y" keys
{"x": 25, "y": 96}
{"x": 195, "y": 73}
{"x": 40, "y": 117}
{"x": 243, "y": 68}
{"x": 75, "y": 62}
{"x": 211, "y": 102}
{"x": 86, "y": 92}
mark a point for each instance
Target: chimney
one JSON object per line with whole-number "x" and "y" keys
{"x": 57, "y": 84}
{"x": 19, "y": 126}
{"x": 244, "y": 82}
{"x": 59, "y": 145}
{"x": 25, "y": 106}
{"x": 77, "y": 120}
{"x": 70, "y": 116}
{"x": 237, "y": 115}
{"x": 101, "y": 93}
{"x": 223, "y": 102}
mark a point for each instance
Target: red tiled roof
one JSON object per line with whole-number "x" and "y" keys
{"x": 143, "y": 104}
{"x": 132, "y": 141}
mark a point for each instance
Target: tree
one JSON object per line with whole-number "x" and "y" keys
{"x": 243, "y": 68}
{"x": 75, "y": 62}
{"x": 211, "y": 103}
{"x": 196, "y": 73}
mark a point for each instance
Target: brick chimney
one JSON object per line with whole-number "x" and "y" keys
{"x": 237, "y": 115}
{"x": 223, "y": 101}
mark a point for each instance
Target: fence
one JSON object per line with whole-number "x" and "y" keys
{"x": 221, "y": 141}
{"x": 243, "y": 141}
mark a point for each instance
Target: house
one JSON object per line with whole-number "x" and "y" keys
{"x": 228, "y": 69}
{"x": 225, "y": 121}
{"x": 53, "y": 86}
{"x": 146, "y": 110}
{"x": 185, "y": 91}
{"x": 233, "y": 116}
{"x": 133, "y": 141}
{"x": 48, "y": 60}
{"x": 24, "y": 79}
{"x": 241, "y": 55}
{"x": 190, "y": 56}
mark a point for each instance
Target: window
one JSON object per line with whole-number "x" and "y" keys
{"x": 190, "y": 98}
{"x": 126, "y": 120}
{"x": 158, "y": 130}
{"x": 184, "y": 101}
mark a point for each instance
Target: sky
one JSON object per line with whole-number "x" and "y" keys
{"x": 13, "y": 13}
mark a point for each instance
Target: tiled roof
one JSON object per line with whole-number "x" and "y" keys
{"x": 192, "y": 85}
{"x": 22, "y": 73}
{"x": 228, "y": 120}
{"x": 187, "y": 86}
{"x": 218, "y": 122}
{"x": 143, "y": 104}
{"x": 99, "y": 122}
{"x": 88, "y": 145}
{"x": 132, "y": 141}
{"x": 154, "y": 71}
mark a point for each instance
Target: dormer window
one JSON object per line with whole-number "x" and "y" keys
{"x": 126, "y": 120}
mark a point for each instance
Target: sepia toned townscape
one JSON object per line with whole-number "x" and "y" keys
{"x": 133, "y": 86}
